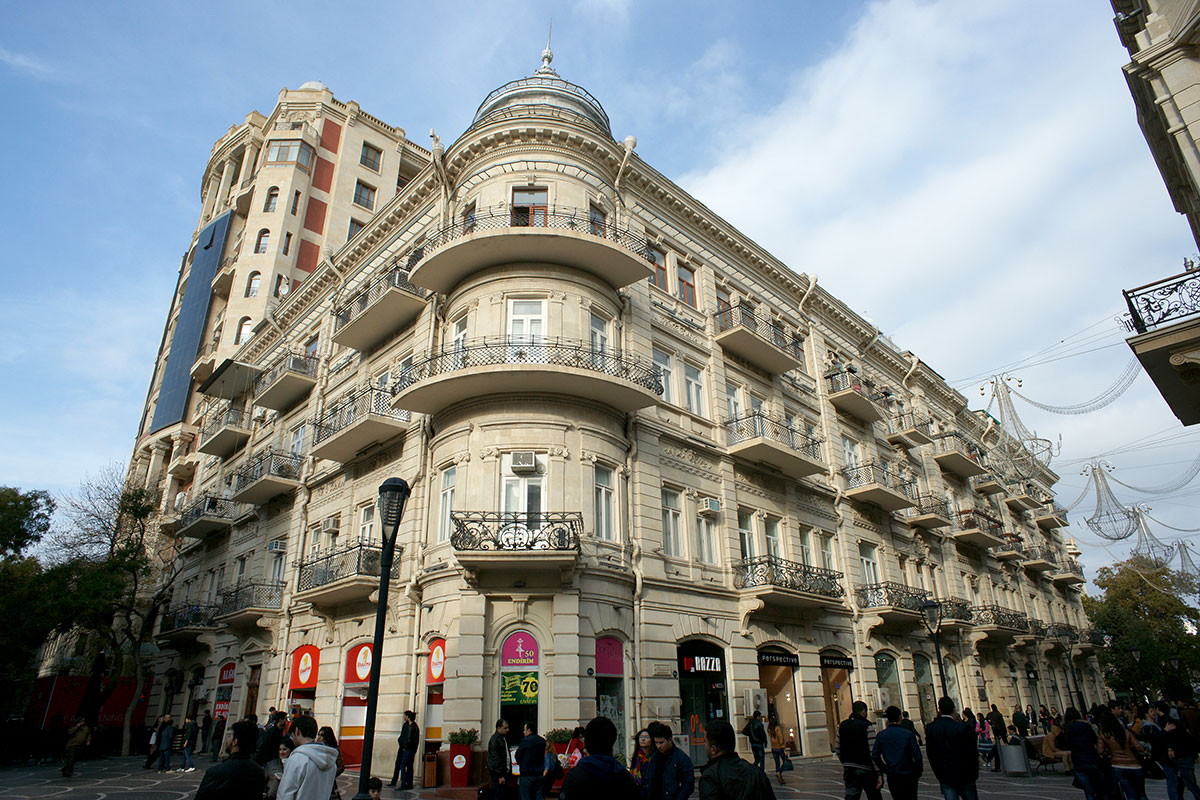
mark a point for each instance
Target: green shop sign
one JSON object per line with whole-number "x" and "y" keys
{"x": 518, "y": 688}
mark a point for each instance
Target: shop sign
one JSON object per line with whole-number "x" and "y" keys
{"x": 358, "y": 663}
{"x": 226, "y": 676}
{"x": 774, "y": 659}
{"x": 305, "y": 663}
{"x": 519, "y": 689}
{"x": 519, "y": 652}
{"x": 435, "y": 671}
{"x": 701, "y": 663}
{"x": 836, "y": 662}
{"x": 610, "y": 656}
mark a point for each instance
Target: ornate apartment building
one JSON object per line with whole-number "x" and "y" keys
{"x": 657, "y": 474}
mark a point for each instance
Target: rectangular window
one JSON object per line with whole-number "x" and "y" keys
{"x": 771, "y": 538}
{"x": 706, "y": 540}
{"x": 672, "y": 544}
{"x": 446, "y": 504}
{"x": 827, "y": 551}
{"x": 529, "y": 208}
{"x": 663, "y": 362}
{"x": 355, "y": 227}
{"x": 598, "y": 220}
{"x": 870, "y": 564}
{"x": 686, "y": 278}
{"x": 850, "y": 452}
{"x": 746, "y": 533}
{"x": 366, "y": 524}
{"x": 598, "y": 327}
{"x": 733, "y": 402}
{"x": 526, "y": 319}
{"x": 287, "y": 243}
{"x": 371, "y": 158}
{"x": 296, "y": 447}
{"x": 605, "y": 505}
{"x": 295, "y": 202}
{"x": 659, "y": 259}
{"x": 310, "y": 347}
{"x": 277, "y": 562}
{"x": 805, "y": 549}
{"x": 459, "y": 342}
{"x": 364, "y": 196}
{"x": 289, "y": 151}
{"x": 693, "y": 381}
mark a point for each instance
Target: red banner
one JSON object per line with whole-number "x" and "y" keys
{"x": 305, "y": 662}
{"x": 435, "y": 671}
{"x": 358, "y": 663}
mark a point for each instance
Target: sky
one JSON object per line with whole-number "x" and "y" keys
{"x": 968, "y": 176}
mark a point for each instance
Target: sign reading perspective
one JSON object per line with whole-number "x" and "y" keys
{"x": 836, "y": 661}
{"x": 773, "y": 659}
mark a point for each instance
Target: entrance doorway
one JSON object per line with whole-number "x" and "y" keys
{"x": 610, "y": 682}
{"x": 776, "y": 674}
{"x": 252, "y": 690}
{"x": 923, "y": 672}
{"x": 702, "y": 694}
{"x": 835, "y": 685}
{"x": 519, "y": 682}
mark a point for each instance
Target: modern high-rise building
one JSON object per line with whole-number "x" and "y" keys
{"x": 657, "y": 474}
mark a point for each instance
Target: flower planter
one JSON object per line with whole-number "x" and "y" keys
{"x": 460, "y": 765}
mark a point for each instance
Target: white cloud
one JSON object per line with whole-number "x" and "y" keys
{"x": 28, "y": 65}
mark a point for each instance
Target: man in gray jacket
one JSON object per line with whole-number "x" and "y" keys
{"x": 311, "y": 769}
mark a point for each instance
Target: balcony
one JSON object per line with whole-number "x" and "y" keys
{"x": 767, "y": 440}
{"x": 1039, "y": 559}
{"x": 892, "y": 602}
{"x": 987, "y": 483}
{"x": 343, "y": 576}
{"x": 1090, "y": 640}
{"x": 849, "y": 395}
{"x": 182, "y": 625}
{"x": 516, "y": 544}
{"x": 266, "y": 476}
{"x": 246, "y": 603}
{"x": 974, "y": 527}
{"x": 956, "y": 614}
{"x": 872, "y": 483}
{"x": 930, "y": 513}
{"x": 225, "y": 431}
{"x": 788, "y": 585}
{"x": 287, "y": 382}
{"x": 206, "y": 360}
{"x": 1035, "y": 631}
{"x": 207, "y": 516}
{"x": 1023, "y": 496}
{"x": 185, "y": 459}
{"x": 362, "y": 419}
{"x": 230, "y": 380}
{"x": 909, "y": 430}
{"x": 956, "y": 454}
{"x": 753, "y": 336}
{"x": 531, "y": 234}
{"x": 529, "y": 366}
{"x": 1051, "y": 516}
{"x": 1069, "y": 573}
{"x": 1163, "y": 315}
{"x": 383, "y": 308}
{"x": 999, "y": 623}
{"x": 1011, "y": 550}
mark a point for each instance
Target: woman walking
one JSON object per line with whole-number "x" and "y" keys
{"x": 1123, "y": 748}
{"x": 778, "y": 742}
{"x": 1045, "y": 719}
{"x": 642, "y": 752}
{"x": 325, "y": 736}
{"x": 1084, "y": 747}
{"x": 987, "y": 743}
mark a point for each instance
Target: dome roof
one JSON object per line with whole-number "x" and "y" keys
{"x": 544, "y": 88}
{"x": 312, "y": 85}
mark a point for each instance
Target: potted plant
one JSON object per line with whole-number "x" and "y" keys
{"x": 460, "y": 756}
{"x": 558, "y": 739}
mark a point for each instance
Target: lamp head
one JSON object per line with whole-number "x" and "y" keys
{"x": 1137, "y": 654}
{"x": 393, "y": 494}
{"x": 931, "y": 615}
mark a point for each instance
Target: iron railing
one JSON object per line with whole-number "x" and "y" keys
{"x": 299, "y": 363}
{"x": 211, "y": 506}
{"x": 357, "y": 560}
{"x": 841, "y": 381}
{"x": 1061, "y": 630}
{"x": 1040, "y": 554}
{"x": 954, "y": 442}
{"x": 762, "y": 325}
{"x": 1163, "y": 301}
{"x": 521, "y": 532}
{"x": 268, "y": 462}
{"x": 504, "y": 350}
{"x": 909, "y": 421}
{"x": 973, "y": 518}
{"x": 890, "y": 594}
{"x": 956, "y": 610}
{"x": 999, "y": 616}
{"x": 253, "y": 594}
{"x": 987, "y": 477}
{"x": 224, "y": 417}
{"x": 1052, "y": 509}
{"x": 192, "y": 615}
{"x": 1091, "y": 636}
{"x": 395, "y": 278}
{"x": 775, "y": 571}
{"x": 866, "y": 474}
{"x": 759, "y": 424}
{"x": 1071, "y": 566}
{"x": 930, "y": 504}
{"x": 1036, "y": 626}
{"x": 367, "y": 401}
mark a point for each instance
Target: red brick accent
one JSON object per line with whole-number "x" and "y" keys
{"x": 308, "y": 256}
{"x": 323, "y": 175}
{"x": 331, "y": 134}
{"x": 314, "y": 217}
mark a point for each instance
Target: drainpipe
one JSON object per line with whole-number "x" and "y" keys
{"x": 812, "y": 284}
{"x": 639, "y": 575}
{"x": 630, "y": 143}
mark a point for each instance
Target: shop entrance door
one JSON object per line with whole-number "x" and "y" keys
{"x": 702, "y": 693}
{"x": 923, "y": 671}
{"x": 835, "y": 685}
{"x": 519, "y": 683}
{"x": 252, "y": 690}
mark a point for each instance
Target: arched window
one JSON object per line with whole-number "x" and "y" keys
{"x": 252, "y": 284}
{"x": 264, "y": 238}
{"x": 272, "y": 199}
{"x": 243, "y": 331}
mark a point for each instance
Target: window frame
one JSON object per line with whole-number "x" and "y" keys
{"x": 272, "y": 200}
{"x": 685, "y": 289}
{"x": 605, "y": 501}
{"x": 253, "y": 284}
{"x": 693, "y": 388}
{"x": 672, "y": 518}
{"x": 659, "y": 278}
{"x": 377, "y": 165}
{"x": 367, "y": 191}
{"x": 667, "y": 373}
{"x": 446, "y": 487}
{"x": 262, "y": 242}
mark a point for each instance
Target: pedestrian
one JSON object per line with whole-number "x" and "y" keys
{"x": 311, "y": 769}
{"x": 1123, "y": 749}
{"x": 374, "y": 788}
{"x": 897, "y": 755}
{"x": 276, "y": 766}
{"x": 531, "y": 763}
{"x": 670, "y": 775}
{"x": 237, "y": 777}
{"x": 206, "y": 722}
{"x": 854, "y": 743}
{"x": 499, "y": 763}
{"x": 325, "y": 736}
{"x": 166, "y": 737}
{"x": 152, "y": 750}
{"x": 1044, "y": 717}
{"x": 726, "y": 776}
{"x": 268, "y": 745}
{"x": 1055, "y": 718}
{"x": 1180, "y": 749}
{"x": 1021, "y": 721}
{"x": 1053, "y": 750}
{"x": 778, "y": 742}
{"x": 908, "y": 725}
{"x": 643, "y": 750}
{"x": 575, "y": 747}
{"x": 407, "y": 743}
{"x": 950, "y": 744}
{"x": 987, "y": 743}
{"x": 999, "y": 725}
{"x": 1031, "y": 714}
{"x": 1083, "y": 745}
{"x": 79, "y": 736}
{"x": 191, "y": 734}
{"x": 598, "y": 776}
{"x": 218, "y": 736}
{"x": 757, "y": 735}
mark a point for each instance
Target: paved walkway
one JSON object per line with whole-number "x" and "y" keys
{"x": 124, "y": 778}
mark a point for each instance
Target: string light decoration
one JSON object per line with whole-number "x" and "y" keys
{"x": 1021, "y": 450}
{"x": 1111, "y": 520}
{"x": 1148, "y": 545}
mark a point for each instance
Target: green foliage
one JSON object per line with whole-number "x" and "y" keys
{"x": 558, "y": 735}
{"x": 464, "y": 736}
{"x": 24, "y": 519}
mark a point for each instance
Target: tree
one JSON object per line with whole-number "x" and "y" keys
{"x": 1140, "y": 609}
{"x": 24, "y": 519}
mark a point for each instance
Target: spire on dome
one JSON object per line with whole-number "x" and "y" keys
{"x": 547, "y": 56}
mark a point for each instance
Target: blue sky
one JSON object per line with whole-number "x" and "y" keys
{"x": 970, "y": 176}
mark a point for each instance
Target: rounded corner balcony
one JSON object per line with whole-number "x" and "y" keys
{"x": 533, "y": 366}
{"x": 516, "y": 544}
{"x": 569, "y": 237}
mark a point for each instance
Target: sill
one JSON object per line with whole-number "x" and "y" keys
{"x": 360, "y": 205}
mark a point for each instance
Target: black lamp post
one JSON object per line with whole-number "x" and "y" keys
{"x": 931, "y": 616}
{"x": 1063, "y": 634}
{"x": 393, "y": 494}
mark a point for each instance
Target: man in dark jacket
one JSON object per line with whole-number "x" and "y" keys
{"x": 237, "y": 777}
{"x": 855, "y": 739}
{"x": 599, "y": 776}
{"x": 757, "y": 734}
{"x": 498, "y": 762}
{"x": 1021, "y": 721}
{"x": 268, "y": 749}
{"x": 531, "y": 763}
{"x": 999, "y": 727}
{"x": 725, "y": 776}
{"x": 191, "y": 732}
{"x": 908, "y": 725}
{"x": 898, "y": 757}
{"x": 670, "y": 774}
{"x": 408, "y": 742}
{"x": 951, "y": 747}
{"x": 206, "y": 722}
{"x": 166, "y": 739}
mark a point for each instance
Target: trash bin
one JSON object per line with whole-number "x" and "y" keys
{"x": 1014, "y": 760}
{"x": 430, "y": 775}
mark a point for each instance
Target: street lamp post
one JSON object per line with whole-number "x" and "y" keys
{"x": 1063, "y": 634}
{"x": 393, "y": 494}
{"x": 931, "y": 616}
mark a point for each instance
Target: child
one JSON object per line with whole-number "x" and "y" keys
{"x": 374, "y": 787}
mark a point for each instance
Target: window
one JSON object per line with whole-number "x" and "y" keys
{"x": 310, "y": 347}
{"x": 870, "y": 564}
{"x": 693, "y": 382}
{"x": 672, "y": 544}
{"x": 826, "y": 551}
{"x": 604, "y": 504}
{"x": 733, "y": 402}
{"x": 529, "y": 208}
{"x": 468, "y": 218}
{"x": 371, "y": 157}
{"x": 272, "y": 199}
{"x": 287, "y": 243}
{"x": 659, "y": 259}
{"x": 277, "y": 562}
{"x": 805, "y": 550}
{"x": 706, "y": 540}
{"x": 366, "y": 523}
{"x": 252, "y": 284}
{"x": 597, "y": 220}
{"x": 355, "y": 227}
{"x": 771, "y": 537}
{"x": 459, "y": 345}
{"x": 686, "y": 278}
{"x": 244, "y": 328}
{"x": 663, "y": 362}
{"x": 746, "y": 533}
{"x": 850, "y": 452}
{"x": 289, "y": 151}
{"x": 279, "y": 284}
{"x": 526, "y": 319}
{"x": 295, "y": 202}
{"x": 446, "y": 503}
{"x": 263, "y": 240}
{"x": 364, "y": 195}
{"x": 297, "y": 446}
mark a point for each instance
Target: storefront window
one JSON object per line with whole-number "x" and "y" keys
{"x": 359, "y": 663}
{"x": 776, "y": 674}
{"x": 702, "y": 690}
{"x": 302, "y": 687}
{"x": 519, "y": 682}
{"x": 923, "y": 675}
{"x": 610, "y": 682}
{"x": 888, "y": 678}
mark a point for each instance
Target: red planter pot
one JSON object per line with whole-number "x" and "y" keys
{"x": 460, "y": 765}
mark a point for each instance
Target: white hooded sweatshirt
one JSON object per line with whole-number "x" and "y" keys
{"x": 309, "y": 774}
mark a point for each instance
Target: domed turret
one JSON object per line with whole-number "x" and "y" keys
{"x": 544, "y": 88}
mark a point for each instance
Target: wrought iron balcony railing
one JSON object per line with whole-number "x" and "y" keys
{"x": 268, "y": 462}
{"x": 1000, "y": 616}
{"x": 1091, "y": 636}
{"x": 930, "y": 504}
{"x": 299, "y": 363}
{"x": 910, "y": 421}
{"x": 253, "y": 594}
{"x": 211, "y": 506}
{"x": 192, "y": 615}
{"x": 369, "y": 400}
{"x": 773, "y": 571}
{"x": 956, "y": 610}
{"x": 1061, "y": 631}
{"x": 1040, "y": 554}
{"x": 955, "y": 442}
{"x": 759, "y": 424}
{"x": 505, "y": 350}
{"x": 890, "y": 594}
{"x": 841, "y": 381}
{"x": 1070, "y": 565}
{"x": 757, "y": 321}
{"x": 1036, "y": 626}
{"x": 516, "y": 532}
{"x": 1163, "y": 301}
{"x": 395, "y": 278}
{"x": 224, "y": 417}
{"x": 866, "y": 474}
{"x": 973, "y": 518}
{"x": 357, "y": 560}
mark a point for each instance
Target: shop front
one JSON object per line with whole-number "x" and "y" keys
{"x": 777, "y": 676}
{"x": 610, "y": 682}
{"x": 703, "y": 694}
{"x": 835, "y": 685}
{"x": 520, "y": 678}
{"x": 359, "y": 663}
{"x": 302, "y": 685}
{"x": 226, "y": 677}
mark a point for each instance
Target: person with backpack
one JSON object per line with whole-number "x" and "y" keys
{"x": 726, "y": 776}
{"x": 757, "y": 734}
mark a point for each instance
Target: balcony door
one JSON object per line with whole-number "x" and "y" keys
{"x": 529, "y": 208}
{"x": 526, "y": 330}
{"x": 523, "y": 501}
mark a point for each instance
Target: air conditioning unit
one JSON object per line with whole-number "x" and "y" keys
{"x": 524, "y": 461}
{"x": 260, "y": 414}
{"x": 331, "y": 525}
{"x": 279, "y": 546}
{"x": 180, "y": 501}
{"x": 710, "y": 506}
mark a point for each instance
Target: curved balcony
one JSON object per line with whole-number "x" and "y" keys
{"x": 513, "y": 545}
{"x": 388, "y": 304}
{"x": 359, "y": 421}
{"x": 343, "y": 576}
{"x": 871, "y": 483}
{"x": 531, "y": 366}
{"x": 909, "y": 430}
{"x": 930, "y": 513}
{"x": 754, "y": 336}
{"x": 974, "y": 527}
{"x": 767, "y": 440}
{"x": 892, "y": 602}
{"x": 287, "y": 382}
{"x": 266, "y": 476}
{"x": 523, "y": 234}
{"x": 958, "y": 455}
{"x": 787, "y": 584}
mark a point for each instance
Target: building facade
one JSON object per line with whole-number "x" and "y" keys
{"x": 656, "y": 473}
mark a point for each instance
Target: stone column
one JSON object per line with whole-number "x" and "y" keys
{"x": 210, "y": 198}
{"x": 223, "y": 191}
{"x": 568, "y": 671}
{"x": 464, "y": 666}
